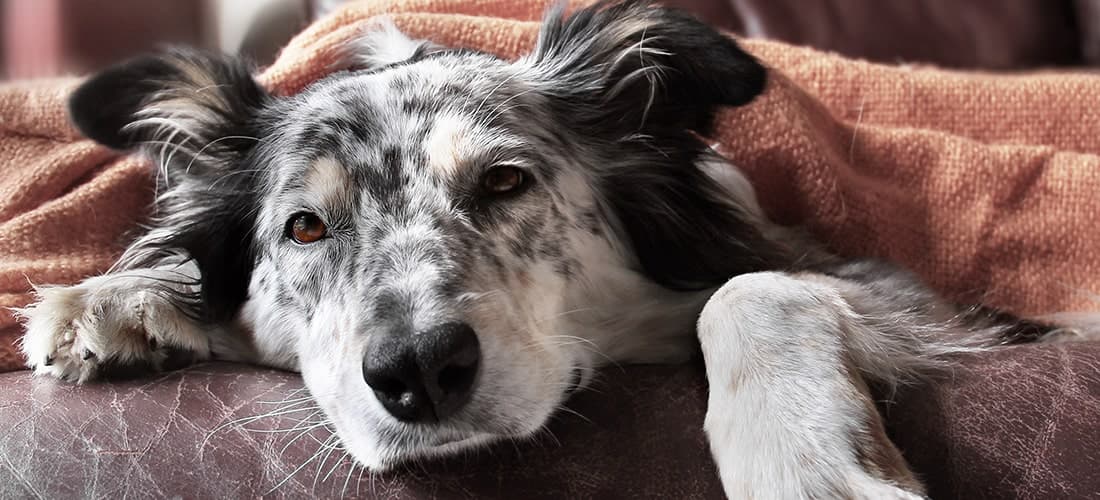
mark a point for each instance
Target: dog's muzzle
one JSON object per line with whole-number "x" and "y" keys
{"x": 425, "y": 376}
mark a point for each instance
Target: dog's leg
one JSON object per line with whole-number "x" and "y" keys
{"x": 135, "y": 316}
{"x": 789, "y": 415}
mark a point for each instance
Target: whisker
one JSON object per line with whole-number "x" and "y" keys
{"x": 321, "y": 466}
{"x": 492, "y": 113}
{"x": 274, "y": 413}
{"x": 304, "y": 433}
{"x": 347, "y": 478}
{"x": 203, "y": 149}
{"x": 320, "y": 449}
{"x": 571, "y": 411}
{"x": 565, "y": 313}
{"x": 341, "y": 461}
{"x": 477, "y": 111}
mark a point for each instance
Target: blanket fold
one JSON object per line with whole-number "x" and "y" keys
{"x": 982, "y": 184}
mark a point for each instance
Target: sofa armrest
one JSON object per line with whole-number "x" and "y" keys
{"x": 1020, "y": 422}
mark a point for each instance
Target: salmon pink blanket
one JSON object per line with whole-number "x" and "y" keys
{"x": 986, "y": 185}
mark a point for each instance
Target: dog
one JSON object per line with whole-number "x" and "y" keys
{"x": 447, "y": 244}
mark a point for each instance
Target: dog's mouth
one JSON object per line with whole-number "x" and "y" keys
{"x": 445, "y": 442}
{"x": 449, "y": 437}
{"x": 510, "y": 399}
{"x": 434, "y": 442}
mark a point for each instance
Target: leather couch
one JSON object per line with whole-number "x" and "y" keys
{"x": 1022, "y": 422}
{"x": 986, "y": 34}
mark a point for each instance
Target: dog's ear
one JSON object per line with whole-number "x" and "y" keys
{"x": 640, "y": 84}
{"x": 197, "y": 116}
{"x": 627, "y": 66}
{"x": 185, "y": 101}
{"x": 382, "y": 44}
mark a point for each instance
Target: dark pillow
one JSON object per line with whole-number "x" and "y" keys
{"x": 990, "y": 34}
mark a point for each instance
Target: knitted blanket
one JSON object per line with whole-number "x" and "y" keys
{"x": 985, "y": 185}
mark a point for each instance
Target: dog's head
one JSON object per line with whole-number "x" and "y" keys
{"x": 446, "y": 243}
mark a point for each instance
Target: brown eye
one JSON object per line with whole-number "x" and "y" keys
{"x": 306, "y": 228}
{"x": 503, "y": 179}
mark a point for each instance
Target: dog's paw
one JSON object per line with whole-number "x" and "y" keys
{"x": 51, "y": 344}
{"x": 73, "y": 332}
{"x": 771, "y": 468}
{"x": 867, "y": 487}
{"x": 854, "y": 486}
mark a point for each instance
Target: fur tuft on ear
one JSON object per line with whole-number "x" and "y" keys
{"x": 639, "y": 65}
{"x": 198, "y": 116}
{"x": 640, "y": 84}
{"x": 180, "y": 101}
{"x": 381, "y": 44}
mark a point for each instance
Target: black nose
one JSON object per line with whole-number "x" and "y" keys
{"x": 426, "y": 376}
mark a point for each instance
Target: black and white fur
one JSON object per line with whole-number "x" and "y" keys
{"x": 629, "y": 232}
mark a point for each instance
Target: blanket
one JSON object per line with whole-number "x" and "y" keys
{"x": 985, "y": 185}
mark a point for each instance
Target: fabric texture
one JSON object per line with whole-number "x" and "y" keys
{"x": 984, "y": 185}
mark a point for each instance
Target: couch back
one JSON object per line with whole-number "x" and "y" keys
{"x": 987, "y": 34}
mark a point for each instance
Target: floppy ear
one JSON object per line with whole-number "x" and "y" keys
{"x": 637, "y": 65}
{"x": 181, "y": 99}
{"x": 639, "y": 84}
{"x": 197, "y": 116}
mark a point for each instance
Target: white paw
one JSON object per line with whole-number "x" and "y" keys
{"x": 71, "y": 332}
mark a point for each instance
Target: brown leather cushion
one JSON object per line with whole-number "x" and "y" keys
{"x": 1018, "y": 423}
{"x": 1023, "y": 422}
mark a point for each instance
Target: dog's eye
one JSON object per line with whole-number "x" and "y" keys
{"x": 503, "y": 179}
{"x": 305, "y": 228}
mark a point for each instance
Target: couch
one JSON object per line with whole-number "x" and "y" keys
{"x": 1020, "y": 423}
